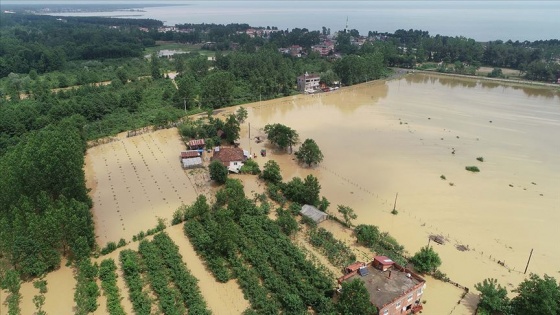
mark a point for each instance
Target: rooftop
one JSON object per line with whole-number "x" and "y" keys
{"x": 382, "y": 289}
{"x": 226, "y": 155}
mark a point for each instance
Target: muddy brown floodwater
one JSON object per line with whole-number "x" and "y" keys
{"x": 378, "y": 139}
{"x": 401, "y": 136}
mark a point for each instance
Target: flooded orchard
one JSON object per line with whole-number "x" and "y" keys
{"x": 414, "y": 136}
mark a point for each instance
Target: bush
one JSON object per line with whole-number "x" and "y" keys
{"x": 480, "y": 159}
{"x": 218, "y": 172}
{"x": 473, "y": 169}
{"x": 426, "y": 260}
{"x": 443, "y": 177}
{"x": 250, "y": 167}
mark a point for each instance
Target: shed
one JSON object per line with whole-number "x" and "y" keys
{"x": 313, "y": 213}
{"x": 196, "y": 144}
{"x": 192, "y": 162}
{"x": 190, "y": 154}
{"x": 382, "y": 262}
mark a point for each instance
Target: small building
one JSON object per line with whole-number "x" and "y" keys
{"x": 313, "y": 213}
{"x": 308, "y": 82}
{"x": 192, "y": 162}
{"x": 231, "y": 157}
{"x": 397, "y": 290}
{"x": 382, "y": 263}
{"x": 190, "y": 154}
{"x": 196, "y": 144}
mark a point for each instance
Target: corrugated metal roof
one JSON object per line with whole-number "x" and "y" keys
{"x": 313, "y": 213}
{"x": 189, "y": 154}
{"x": 192, "y": 162}
{"x": 196, "y": 142}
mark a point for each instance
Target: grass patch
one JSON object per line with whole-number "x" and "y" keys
{"x": 473, "y": 169}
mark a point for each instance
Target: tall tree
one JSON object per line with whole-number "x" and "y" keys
{"x": 537, "y": 295}
{"x": 282, "y": 136}
{"x": 231, "y": 129}
{"x": 309, "y": 153}
{"x": 493, "y": 297}
{"x": 426, "y": 260}
{"x": 217, "y": 89}
{"x": 354, "y": 299}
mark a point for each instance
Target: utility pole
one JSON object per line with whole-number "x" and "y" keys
{"x": 395, "y": 205}
{"x": 249, "y": 131}
{"x": 529, "y": 260}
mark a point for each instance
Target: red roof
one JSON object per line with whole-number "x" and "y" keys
{"x": 196, "y": 142}
{"x": 384, "y": 260}
{"x": 226, "y": 155}
{"x": 189, "y": 154}
{"x": 355, "y": 266}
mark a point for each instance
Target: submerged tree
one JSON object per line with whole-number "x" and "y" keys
{"x": 218, "y": 172}
{"x": 309, "y": 153}
{"x": 348, "y": 214}
{"x": 426, "y": 260}
{"x": 281, "y": 135}
{"x": 493, "y": 297}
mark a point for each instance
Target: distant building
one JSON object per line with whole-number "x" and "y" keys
{"x": 392, "y": 288}
{"x": 232, "y": 158}
{"x": 308, "y": 82}
{"x": 313, "y": 213}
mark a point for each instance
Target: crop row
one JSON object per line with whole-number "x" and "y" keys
{"x": 108, "y": 276}
{"x": 335, "y": 250}
{"x": 87, "y": 291}
{"x": 168, "y": 297}
{"x": 185, "y": 282}
{"x": 242, "y": 242}
{"x": 132, "y": 270}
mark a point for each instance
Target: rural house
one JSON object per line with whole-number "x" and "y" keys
{"x": 308, "y": 82}
{"x": 313, "y": 213}
{"x": 392, "y": 288}
{"x": 232, "y": 158}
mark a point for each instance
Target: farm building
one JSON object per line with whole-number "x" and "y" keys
{"x": 190, "y": 154}
{"x": 196, "y": 144}
{"x": 313, "y": 213}
{"x": 233, "y": 158}
{"x": 192, "y": 162}
{"x": 392, "y": 288}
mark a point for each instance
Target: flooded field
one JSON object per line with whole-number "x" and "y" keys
{"x": 405, "y": 136}
{"x": 412, "y": 136}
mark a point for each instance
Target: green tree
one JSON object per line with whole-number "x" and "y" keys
{"x": 154, "y": 66}
{"x": 309, "y": 153}
{"x": 286, "y": 222}
{"x": 241, "y": 114}
{"x": 218, "y": 172}
{"x": 493, "y": 297}
{"x": 426, "y": 260}
{"x": 271, "y": 172}
{"x": 367, "y": 235}
{"x": 217, "y": 89}
{"x": 348, "y": 214}
{"x": 231, "y": 129}
{"x": 496, "y": 73}
{"x": 281, "y": 135}
{"x": 187, "y": 90}
{"x": 537, "y": 295}
{"x": 354, "y": 299}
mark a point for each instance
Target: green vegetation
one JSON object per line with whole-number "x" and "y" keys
{"x": 87, "y": 291}
{"x": 426, "y": 260}
{"x": 309, "y": 153}
{"x": 108, "y": 276}
{"x": 348, "y": 214}
{"x": 218, "y": 172}
{"x": 237, "y": 240}
{"x": 11, "y": 282}
{"x": 250, "y": 167}
{"x": 443, "y": 177}
{"x": 496, "y": 73}
{"x": 380, "y": 243}
{"x": 39, "y": 299}
{"x": 535, "y": 295}
{"x": 130, "y": 262}
{"x": 355, "y": 299}
{"x": 302, "y": 192}
{"x": 271, "y": 172}
{"x": 282, "y": 136}
{"x": 480, "y": 159}
{"x": 473, "y": 169}
{"x": 241, "y": 114}
{"x": 338, "y": 253}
